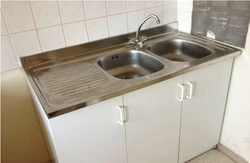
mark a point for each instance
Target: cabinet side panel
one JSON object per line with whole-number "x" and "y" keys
{"x": 45, "y": 125}
{"x": 91, "y": 134}
{"x": 152, "y": 127}
{"x": 202, "y": 115}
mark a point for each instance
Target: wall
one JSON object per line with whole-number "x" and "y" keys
{"x": 23, "y": 33}
{"x": 226, "y": 20}
{"x": 236, "y": 126}
{"x": 184, "y": 15}
{"x": 22, "y": 139}
{"x": 33, "y": 27}
{"x": 30, "y": 27}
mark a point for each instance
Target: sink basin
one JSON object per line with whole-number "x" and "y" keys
{"x": 130, "y": 65}
{"x": 179, "y": 50}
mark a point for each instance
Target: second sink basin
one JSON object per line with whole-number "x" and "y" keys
{"x": 179, "y": 50}
{"x": 130, "y": 65}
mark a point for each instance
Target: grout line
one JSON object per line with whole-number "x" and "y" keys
{"x": 35, "y": 26}
{"x": 11, "y": 43}
{"x": 8, "y": 32}
{"x": 61, "y": 24}
{"x": 127, "y": 16}
{"x": 162, "y": 14}
{"x": 4, "y": 35}
{"x": 85, "y": 21}
{"x": 107, "y": 20}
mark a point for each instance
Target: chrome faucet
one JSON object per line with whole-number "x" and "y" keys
{"x": 138, "y": 41}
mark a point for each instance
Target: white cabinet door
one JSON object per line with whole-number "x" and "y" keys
{"x": 91, "y": 134}
{"x": 153, "y": 121}
{"x": 202, "y": 115}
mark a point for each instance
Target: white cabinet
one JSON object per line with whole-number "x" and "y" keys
{"x": 202, "y": 114}
{"x": 159, "y": 128}
{"x": 153, "y": 121}
{"x": 91, "y": 134}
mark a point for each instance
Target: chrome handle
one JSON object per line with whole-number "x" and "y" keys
{"x": 190, "y": 90}
{"x": 122, "y": 114}
{"x": 182, "y": 92}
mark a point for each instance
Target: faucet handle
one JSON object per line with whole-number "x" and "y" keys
{"x": 143, "y": 38}
{"x": 132, "y": 42}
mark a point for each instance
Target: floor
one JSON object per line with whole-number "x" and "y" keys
{"x": 212, "y": 156}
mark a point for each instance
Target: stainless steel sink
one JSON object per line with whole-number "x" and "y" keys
{"x": 130, "y": 65}
{"x": 179, "y": 50}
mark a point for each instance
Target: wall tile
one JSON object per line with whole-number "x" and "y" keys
{"x": 3, "y": 27}
{"x": 122, "y": 17}
{"x": 75, "y": 33}
{"x": 51, "y": 38}
{"x": 71, "y": 11}
{"x": 169, "y": 13}
{"x": 116, "y": 7}
{"x": 151, "y": 22}
{"x": 135, "y": 5}
{"x": 134, "y": 20}
{"x": 94, "y": 9}
{"x": 8, "y": 59}
{"x": 117, "y": 24}
{"x": 25, "y": 43}
{"x": 166, "y": 2}
{"x": 150, "y": 4}
{"x": 18, "y": 16}
{"x": 46, "y": 13}
{"x": 97, "y": 28}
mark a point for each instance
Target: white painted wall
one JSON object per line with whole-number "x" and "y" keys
{"x": 236, "y": 127}
{"x": 22, "y": 140}
{"x": 184, "y": 15}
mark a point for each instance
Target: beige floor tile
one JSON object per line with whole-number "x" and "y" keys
{"x": 213, "y": 156}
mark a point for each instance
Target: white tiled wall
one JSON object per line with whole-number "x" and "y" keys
{"x": 30, "y": 27}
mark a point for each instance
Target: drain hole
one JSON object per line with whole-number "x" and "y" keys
{"x": 114, "y": 57}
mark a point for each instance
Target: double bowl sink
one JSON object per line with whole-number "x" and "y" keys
{"x": 135, "y": 64}
{"x": 74, "y": 77}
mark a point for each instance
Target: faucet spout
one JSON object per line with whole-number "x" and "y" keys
{"x": 137, "y": 39}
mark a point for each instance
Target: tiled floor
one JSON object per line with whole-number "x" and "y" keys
{"x": 213, "y": 156}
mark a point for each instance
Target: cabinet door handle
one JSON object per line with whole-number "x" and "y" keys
{"x": 190, "y": 90}
{"x": 122, "y": 114}
{"x": 182, "y": 92}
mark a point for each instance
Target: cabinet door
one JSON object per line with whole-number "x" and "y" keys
{"x": 153, "y": 121}
{"x": 202, "y": 115}
{"x": 91, "y": 134}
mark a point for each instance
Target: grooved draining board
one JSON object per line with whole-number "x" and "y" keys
{"x": 67, "y": 82}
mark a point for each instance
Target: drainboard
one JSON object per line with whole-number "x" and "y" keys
{"x": 68, "y": 82}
